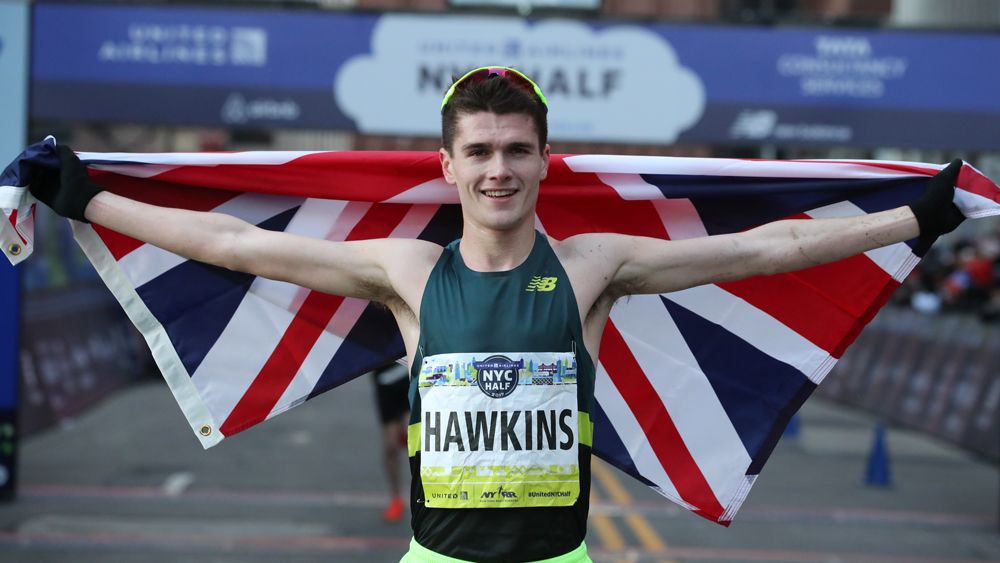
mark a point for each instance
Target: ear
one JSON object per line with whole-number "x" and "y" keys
{"x": 546, "y": 153}
{"x": 445, "y": 157}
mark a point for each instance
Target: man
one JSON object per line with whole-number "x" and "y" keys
{"x": 391, "y": 384}
{"x": 500, "y": 327}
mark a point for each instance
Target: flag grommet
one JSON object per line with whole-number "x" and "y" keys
{"x": 14, "y": 249}
{"x": 205, "y": 430}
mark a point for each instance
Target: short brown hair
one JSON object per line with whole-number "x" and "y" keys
{"x": 495, "y": 95}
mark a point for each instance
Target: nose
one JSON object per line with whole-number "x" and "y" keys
{"x": 499, "y": 168}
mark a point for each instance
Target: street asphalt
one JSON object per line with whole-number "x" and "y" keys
{"x": 128, "y": 482}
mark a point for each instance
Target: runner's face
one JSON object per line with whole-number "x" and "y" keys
{"x": 496, "y": 164}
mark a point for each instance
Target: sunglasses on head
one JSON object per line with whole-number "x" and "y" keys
{"x": 482, "y": 73}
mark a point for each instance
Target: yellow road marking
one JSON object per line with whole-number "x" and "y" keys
{"x": 645, "y": 532}
{"x": 614, "y": 488}
{"x": 611, "y": 538}
{"x": 641, "y": 527}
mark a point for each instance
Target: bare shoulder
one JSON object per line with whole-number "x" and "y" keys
{"x": 411, "y": 251}
{"x": 408, "y": 264}
{"x": 591, "y": 261}
{"x": 588, "y": 248}
{"x": 406, "y": 259}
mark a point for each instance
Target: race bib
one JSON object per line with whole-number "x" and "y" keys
{"x": 499, "y": 430}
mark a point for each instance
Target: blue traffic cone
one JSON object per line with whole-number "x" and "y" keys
{"x": 879, "y": 474}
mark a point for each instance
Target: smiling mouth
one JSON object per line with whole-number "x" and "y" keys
{"x": 498, "y": 194}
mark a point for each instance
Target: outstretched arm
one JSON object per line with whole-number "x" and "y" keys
{"x": 655, "y": 266}
{"x": 355, "y": 269}
{"x": 646, "y": 265}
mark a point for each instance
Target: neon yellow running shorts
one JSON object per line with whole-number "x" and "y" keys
{"x": 420, "y": 554}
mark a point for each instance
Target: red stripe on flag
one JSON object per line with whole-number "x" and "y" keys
{"x": 866, "y": 317}
{"x": 825, "y": 304}
{"x": 13, "y": 223}
{"x": 974, "y": 182}
{"x": 301, "y": 335}
{"x": 346, "y": 175}
{"x": 149, "y": 190}
{"x": 657, "y": 424}
{"x": 571, "y": 203}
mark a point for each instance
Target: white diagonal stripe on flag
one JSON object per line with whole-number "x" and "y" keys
{"x": 415, "y": 221}
{"x": 233, "y": 363}
{"x": 632, "y": 435}
{"x": 631, "y": 186}
{"x": 146, "y": 262}
{"x": 669, "y": 365}
{"x": 319, "y": 357}
{"x": 680, "y": 218}
{"x": 268, "y": 303}
{"x": 975, "y": 205}
{"x": 350, "y": 310}
{"x": 761, "y": 330}
{"x": 327, "y": 219}
{"x": 431, "y": 191}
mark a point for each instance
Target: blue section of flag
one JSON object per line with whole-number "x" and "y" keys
{"x": 727, "y": 205}
{"x": 445, "y": 226}
{"x": 373, "y": 341}
{"x": 30, "y": 163}
{"x": 608, "y": 445}
{"x": 195, "y": 301}
{"x": 751, "y": 386}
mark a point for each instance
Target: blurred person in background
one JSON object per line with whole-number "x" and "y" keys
{"x": 502, "y": 296}
{"x": 391, "y": 384}
{"x": 967, "y": 287}
{"x": 961, "y": 278}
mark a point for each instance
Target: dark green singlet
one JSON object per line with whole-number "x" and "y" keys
{"x": 531, "y": 308}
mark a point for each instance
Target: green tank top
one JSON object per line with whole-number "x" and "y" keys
{"x": 501, "y": 390}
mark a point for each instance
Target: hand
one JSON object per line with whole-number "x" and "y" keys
{"x": 67, "y": 190}
{"x": 935, "y": 210}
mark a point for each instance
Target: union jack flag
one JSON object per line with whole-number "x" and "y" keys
{"x": 694, "y": 387}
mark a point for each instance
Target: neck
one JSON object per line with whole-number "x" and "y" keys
{"x": 486, "y": 250}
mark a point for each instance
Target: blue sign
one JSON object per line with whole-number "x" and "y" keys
{"x": 607, "y": 81}
{"x": 13, "y": 122}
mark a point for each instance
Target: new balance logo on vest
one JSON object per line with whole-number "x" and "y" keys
{"x": 539, "y": 283}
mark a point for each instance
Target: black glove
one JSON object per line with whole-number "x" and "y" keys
{"x": 67, "y": 190}
{"x": 936, "y": 211}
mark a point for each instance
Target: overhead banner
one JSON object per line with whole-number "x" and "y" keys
{"x": 14, "y": 69}
{"x": 385, "y": 74}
